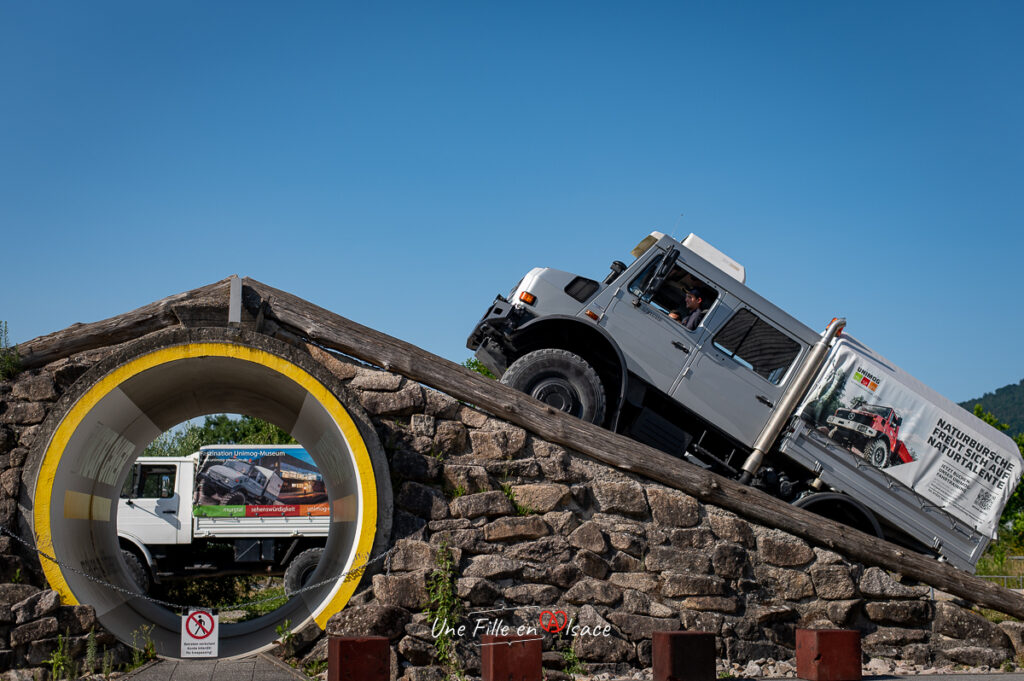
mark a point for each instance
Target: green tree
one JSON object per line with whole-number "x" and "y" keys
{"x": 10, "y": 363}
{"x": 476, "y": 365}
{"x": 218, "y": 429}
{"x": 829, "y": 398}
{"x": 247, "y": 430}
{"x": 1013, "y": 514}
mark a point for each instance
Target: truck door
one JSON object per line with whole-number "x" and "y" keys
{"x": 656, "y": 346}
{"x": 740, "y": 372}
{"x": 150, "y": 503}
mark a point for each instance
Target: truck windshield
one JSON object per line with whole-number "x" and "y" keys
{"x": 237, "y": 465}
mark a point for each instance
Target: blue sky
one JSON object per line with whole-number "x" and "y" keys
{"x": 400, "y": 163}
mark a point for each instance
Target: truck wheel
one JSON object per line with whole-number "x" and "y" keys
{"x": 301, "y": 569}
{"x": 138, "y": 571}
{"x": 234, "y": 499}
{"x": 205, "y": 493}
{"x": 561, "y": 379}
{"x": 878, "y": 453}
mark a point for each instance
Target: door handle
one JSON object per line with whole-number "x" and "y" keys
{"x": 765, "y": 401}
{"x": 171, "y": 511}
{"x": 681, "y": 346}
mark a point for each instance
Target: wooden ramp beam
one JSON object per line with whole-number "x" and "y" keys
{"x": 334, "y": 332}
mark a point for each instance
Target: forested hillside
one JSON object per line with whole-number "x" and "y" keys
{"x": 1006, "y": 404}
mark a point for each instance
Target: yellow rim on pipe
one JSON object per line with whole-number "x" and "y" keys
{"x": 70, "y": 423}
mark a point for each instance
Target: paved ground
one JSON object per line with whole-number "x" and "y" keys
{"x": 266, "y": 668}
{"x": 256, "y": 668}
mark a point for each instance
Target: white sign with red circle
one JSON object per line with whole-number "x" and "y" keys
{"x": 199, "y": 634}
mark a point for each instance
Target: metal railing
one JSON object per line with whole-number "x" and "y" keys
{"x": 1006, "y": 581}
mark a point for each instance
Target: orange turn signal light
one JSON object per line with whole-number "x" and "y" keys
{"x": 527, "y": 297}
{"x": 593, "y": 315}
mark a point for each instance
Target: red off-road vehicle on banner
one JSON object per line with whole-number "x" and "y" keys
{"x": 874, "y": 430}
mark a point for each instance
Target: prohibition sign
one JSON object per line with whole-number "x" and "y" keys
{"x": 199, "y": 624}
{"x": 199, "y": 634}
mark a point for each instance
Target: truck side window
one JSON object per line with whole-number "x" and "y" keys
{"x": 128, "y": 490}
{"x": 156, "y": 481}
{"x": 671, "y": 295}
{"x": 757, "y": 345}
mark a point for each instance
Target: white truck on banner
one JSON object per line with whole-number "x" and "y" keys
{"x": 674, "y": 350}
{"x": 226, "y": 509}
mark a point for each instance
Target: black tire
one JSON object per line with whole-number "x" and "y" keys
{"x": 204, "y": 492}
{"x": 301, "y": 569}
{"x": 234, "y": 499}
{"x": 877, "y": 453}
{"x": 560, "y": 379}
{"x": 138, "y": 571}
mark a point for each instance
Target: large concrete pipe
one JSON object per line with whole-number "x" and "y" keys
{"x": 109, "y": 416}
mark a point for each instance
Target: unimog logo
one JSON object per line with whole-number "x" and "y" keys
{"x": 867, "y": 379}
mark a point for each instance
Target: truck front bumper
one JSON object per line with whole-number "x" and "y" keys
{"x": 852, "y": 425}
{"x": 492, "y": 335}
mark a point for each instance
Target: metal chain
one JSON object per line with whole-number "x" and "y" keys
{"x": 181, "y": 607}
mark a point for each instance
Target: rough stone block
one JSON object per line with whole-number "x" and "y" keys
{"x": 778, "y": 548}
{"x": 481, "y": 504}
{"x": 36, "y": 606}
{"x": 424, "y": 501}
{"x": 33, "y": 631}
{"x": 683, "y": 656}
{"x": 365, "y": 658}
{"x": 405, "y": 401}
{"x": 371, "y": 379}
{"x": 730, "y": 528}
{"x": 620, "y": 497}
{"x": 405, "y": 590}
{"x": 36, "y": 388}
{"x": 828, "y": 654}
{"x": 516, "y": 528}
{"x": 382, "y": 620}
{"x": 672, "y": 507}
{"x": 23, "y": 413}
{"x": 876, "y": 583}
{"x": 541, "y": 497}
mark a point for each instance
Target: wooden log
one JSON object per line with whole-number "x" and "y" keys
{"x": 124, "y": 327}
{"x": 332, "y": 331}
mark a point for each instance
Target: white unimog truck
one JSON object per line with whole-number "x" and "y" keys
{"x": 752, "y": 393}
{"x": 226, "y": 509}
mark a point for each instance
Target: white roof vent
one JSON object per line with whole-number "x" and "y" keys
{"x": 716, "y": 258}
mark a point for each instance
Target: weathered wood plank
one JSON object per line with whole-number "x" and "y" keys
{"x": 332, "y": 331}
{"x": 124, "y": 327}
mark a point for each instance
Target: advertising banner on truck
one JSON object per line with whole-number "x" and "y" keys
{"x": 258, "y": 481}
{"x": 876, "y": 411}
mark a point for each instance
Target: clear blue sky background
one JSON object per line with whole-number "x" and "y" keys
{"x": 400, "y": 163}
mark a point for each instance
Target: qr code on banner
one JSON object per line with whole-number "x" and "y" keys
{"x": 984, "y": 500}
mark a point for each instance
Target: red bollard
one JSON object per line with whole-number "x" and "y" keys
{"x": 358, "y": 658}
{"x": 683, "y": 656}
{"x": 828, "y": 654}
{"x": 511, "y": 658}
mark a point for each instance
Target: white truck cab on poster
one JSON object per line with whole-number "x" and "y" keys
{"x": 226, "y": 509}
{"x": 674, "y": 350}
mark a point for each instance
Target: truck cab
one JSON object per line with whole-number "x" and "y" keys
{"x": 613, "y": 352}
{"x": 156, "y": 501}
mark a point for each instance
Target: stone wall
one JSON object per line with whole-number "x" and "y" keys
{"x": 533, "y": 527}
{"x": 31, "y": 615}
{"x": 536, "y": 527}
